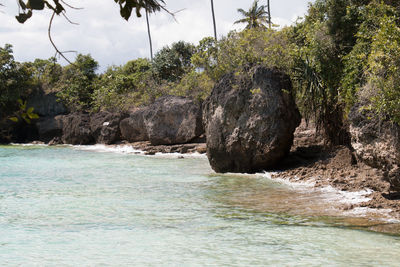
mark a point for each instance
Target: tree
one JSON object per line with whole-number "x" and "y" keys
{"x": 148, "y": 32}
{"x": 269, "y": 15}
{"x": 213, "y": 16}
{"x": 170, "y": 63}
{"x": 76, "y": 83}
{"x": 255, "y": 17}
{"x": 14, "y": 81}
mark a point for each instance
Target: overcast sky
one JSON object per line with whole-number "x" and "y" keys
{"x": 112, "y": 40}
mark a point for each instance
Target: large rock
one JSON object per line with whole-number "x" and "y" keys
{"x": 173, "y": 120}
{"x": 133, "y": 128}
{"x": 49, "y": 127}
{"x": 376, "y": 142}
{"x": 46, "y": 105}
{"x": 76, "y": 129}
{"x": 105, "y": 127}
{"x": 250, "y": 122}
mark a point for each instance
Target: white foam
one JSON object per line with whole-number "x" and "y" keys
{"x": 128, "y": 149}
{"x": 295, "y": 184}
{"x": 122, "y": 149}
{"x": 28, "y": 144}
{"x": 180, "y": 155}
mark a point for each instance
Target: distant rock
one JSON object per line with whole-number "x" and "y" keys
{"x": 49, "y": 127}
{"x": 76, "y": 129}
{"x": 105, "y": 127}
{"x": 249, "y": 122}
{"x": 46, "y": 105}
{"x": 173, "y": 120}
{"x": 376, "y": 142}
{"x": 133, "y": 128}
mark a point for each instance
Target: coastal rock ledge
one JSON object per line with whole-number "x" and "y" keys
{"x": 250, "y": 121}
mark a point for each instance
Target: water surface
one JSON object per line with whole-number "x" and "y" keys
{"x": 62, "y": 206}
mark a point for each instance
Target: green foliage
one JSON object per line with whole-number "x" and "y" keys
{"x": 58, "y": 7}
{"x": 24, "y": 113}
{"x": 45, "y": 73}
{"x": 75, "y": 86}
{"x": 120, "y": 88}
{"x": 171, "y": 63}
{"x": 194, "y": 85}
{"x": 242, "y": 50}
{"x": 14, "y": 81}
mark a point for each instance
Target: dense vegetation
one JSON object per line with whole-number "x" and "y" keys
{"x": 342, "y": 52}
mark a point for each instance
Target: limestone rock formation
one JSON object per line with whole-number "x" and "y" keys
{"x": 105, "y": 127}
{"x": 76, "y": 129}
{"x": 133, "y": 128}
{"x": 249, "y": 122}
{"x": 49, "y": 127}
{"x": 46, "y": 105}
{"x": 173, "y": 120}
{"x": 376, "y": 142}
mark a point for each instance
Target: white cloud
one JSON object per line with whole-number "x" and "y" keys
{"x": 112, "y": 40}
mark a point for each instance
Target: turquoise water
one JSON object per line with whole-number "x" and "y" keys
{"x": 70, "y": 207}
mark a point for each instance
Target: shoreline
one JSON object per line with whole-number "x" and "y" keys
{"x": 351, "y": 200}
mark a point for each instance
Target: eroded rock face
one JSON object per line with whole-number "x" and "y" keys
{"x": 49, "y": 127}
{"x": 133, "y": 128}
{"x": 250, "y": 122}
{"x": 46, "y": 105}
{"x": 173, "y": 120}
{"x": 105, "y": 127}
{"x": 76, "y": 129}
{"x": 376, "y": 142}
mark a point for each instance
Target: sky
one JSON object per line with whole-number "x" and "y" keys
{"x": 113, "y": 41}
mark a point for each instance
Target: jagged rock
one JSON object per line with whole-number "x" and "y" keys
{"x": 55, "y": 141}
{"x": 133, "y": 128}
{"x": 49, "y": 127}
{"x": 46, "y": 105}
{"x": 76, "y": 129}
{"x": 173, "y": 120}
{"x": 376, "y": 142}
{"x": 105, "y": 127}
{"x": 249, "y": 122}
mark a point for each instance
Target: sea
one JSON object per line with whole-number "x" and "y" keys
{"x": 115, "y": 206}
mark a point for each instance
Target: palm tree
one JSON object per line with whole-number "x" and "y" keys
{"x": 149, "y": 33}
{"x": 256, "y": 17}
{"x": 151, "y": 7}
{"x": 213, "y": 16}
{"x": 269, "y": 15}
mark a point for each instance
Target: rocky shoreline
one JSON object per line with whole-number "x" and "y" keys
{"x": 247, "y": 125}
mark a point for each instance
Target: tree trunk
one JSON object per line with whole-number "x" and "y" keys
{"x": 148, "y": 31}
{"x": 269, "y": 15}
{"x": 213, "y": 15}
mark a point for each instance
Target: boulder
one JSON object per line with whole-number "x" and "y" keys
{"x": 250, "y": 121}
{"x": 133, "y": 128}
{"x": 49, "y": 127}
{"x": 76, "y": 129}
{"x": 105, "y": 127}
{"x": 173, "y": 120}
{"x": 46, "y": 105}
{"x": 376, "y": 142}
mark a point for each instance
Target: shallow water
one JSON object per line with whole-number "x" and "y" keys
{"x": 73, "y": 207}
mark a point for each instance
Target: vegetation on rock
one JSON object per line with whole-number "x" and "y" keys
{"x": 340, "y": 52}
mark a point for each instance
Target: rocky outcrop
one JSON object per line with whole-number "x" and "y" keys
{"x": 376, "y": 142}
{"x": 76, "y": 129}
{"x": 249, "y": 122}
{"x": 133, "y": 128}
{"x": 46, "y": 105}
{"x": 49, "y": 128}
{"x": 105, "y": 127}
{"x": 173, "y": 120}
